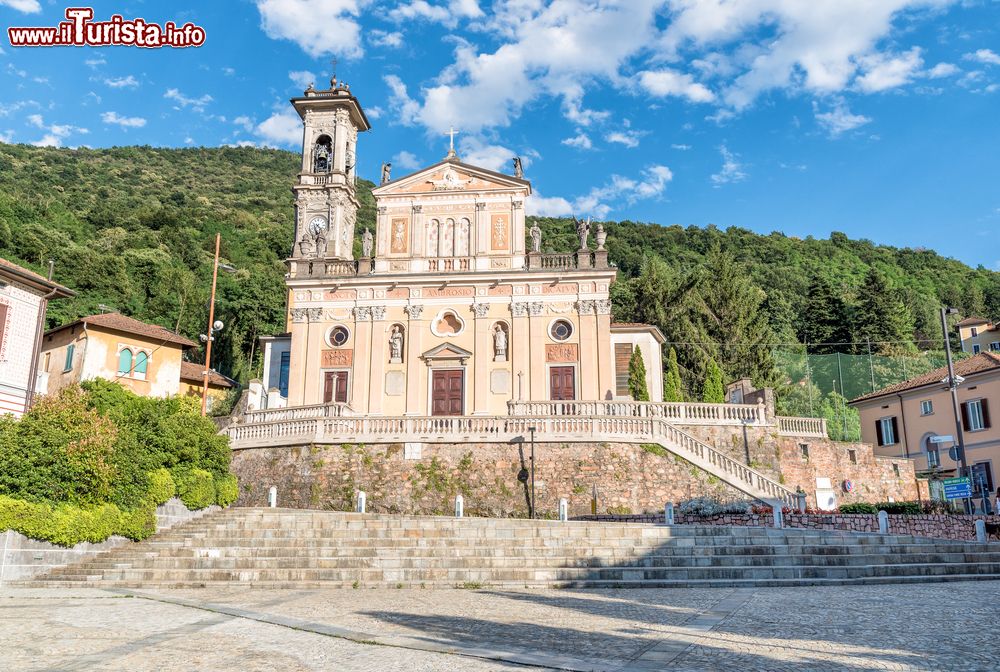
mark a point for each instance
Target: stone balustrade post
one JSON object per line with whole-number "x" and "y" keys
{"x": 362, "y": 502}
{"x": 779, "y": 516}
{"x": 883, "y": 522}
{"x": 981, "y": 531}
{"x": 801, "y": 497}
{"x": 668, "y": 514}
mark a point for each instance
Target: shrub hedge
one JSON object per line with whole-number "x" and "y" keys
{"x": 895, "y": 508}
{"x": 161, "y": 486}
{"x": 68, "y": 524}
{"x": 195, "y": 487}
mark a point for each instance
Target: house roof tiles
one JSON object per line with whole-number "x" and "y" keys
{"x": 129, "y": 325}
{"x": 981, "y": 363}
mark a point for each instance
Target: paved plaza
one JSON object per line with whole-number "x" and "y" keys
{"x": 942, "y": 626}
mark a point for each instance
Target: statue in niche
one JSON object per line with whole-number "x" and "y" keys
{"x": 601, "y": 235}
{"x": 499, "y": 344}
{"x": 321, "y": 243}
{"x": 583, "y": 231}
{"x": 386, "y": 170}
{"x": 536, "y": 238}
{"x": 396, "y": 345}
{"x": 321, "y": 155}
{"x": 366, "y": 244}
{"x": 518, "y": 168}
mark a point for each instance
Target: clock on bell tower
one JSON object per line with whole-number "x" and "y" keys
{"x": 326, "y": 205}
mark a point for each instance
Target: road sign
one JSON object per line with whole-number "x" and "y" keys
{"x": 942, "y": 439}
{"x": 957, "y": 488}
{"x": 954, "y": 454}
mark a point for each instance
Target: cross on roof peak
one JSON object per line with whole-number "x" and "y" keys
{"x": 451, "y": 133}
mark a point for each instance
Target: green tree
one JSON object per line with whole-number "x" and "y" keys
{"x": 672, "y": 386}
{"x": 714, "y": 389}
{"x": 881, "y": 317}
{"x": 637, "y": 377}
{"x": 824, "y": 324}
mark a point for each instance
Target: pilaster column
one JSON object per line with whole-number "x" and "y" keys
{"x": 517, "y": 231}
{"x": 362, "y": 348}
{"x": 537, "y": 337}
{"x": 382, "y": 232}
{"x": 417, "y": 237}
{"x": 605, "y": 362}
{"x": 414, "y": 367}
{"x": 520, "y": 351}
{"x": 483, "y": 357}
{"x": 482, "y": 230}
{"x": 299, "y": 329}
{"x": 313, "y": 359}
{"x": 378, "y": 356}
{"x": 589, "y": 356}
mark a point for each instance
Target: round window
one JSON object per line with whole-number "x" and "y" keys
{"x": 338, "y": 336}
{"x": 560, "y": 330}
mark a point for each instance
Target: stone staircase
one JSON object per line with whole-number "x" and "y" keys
{"x": 287, "y": 548}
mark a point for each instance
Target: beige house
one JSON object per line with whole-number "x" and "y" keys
{"x": 145, "y": 358}
{"x": 979, "y": 335}
{"x": 24, "y": 297}
{"x": 901, "y": 420}
{"x": 449, "y": 310}
{"x": 192, "y": 382}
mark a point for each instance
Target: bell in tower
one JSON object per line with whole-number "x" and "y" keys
{"x": 326, "y": 206}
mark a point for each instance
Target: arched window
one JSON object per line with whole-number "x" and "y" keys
{"x": 462, "y": 238}
{"x": 141, "y": 360}
{"x": 323, "y": 154}
{"x": 125, "y": 361}
{"x": 432, "y": 238}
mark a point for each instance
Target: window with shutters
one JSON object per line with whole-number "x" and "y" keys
{"x": 975, "y": 415}
{"x": 933, "y": 457}
{"x": 885, "y": 428}
{"x": 623, "y": 353}
{"x": 286, "y": 358}
{"x": 68, "y": 366}
{"x": 975, "y": 348}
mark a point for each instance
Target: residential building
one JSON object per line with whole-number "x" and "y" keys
{"x": 192, "y": 383}
{"x": 145, "y": 358}
{"x": 900, "y": 420}
{"x": 979, "y": 335}
{"x": 24, "y": 297}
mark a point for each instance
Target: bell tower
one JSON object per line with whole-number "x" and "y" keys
{"x": 326, "y": 206}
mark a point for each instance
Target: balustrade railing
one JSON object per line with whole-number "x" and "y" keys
{"x": 450, "y": 264}
{"x": 296, "y": 413}
{"x": 802, "y": 426}
{"x": 681, "y": 413}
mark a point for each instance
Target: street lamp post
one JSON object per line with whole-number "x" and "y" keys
{"x": 532, "y": 430}
{"x": 213, "y": 326}
{"x": 953, "y": 383}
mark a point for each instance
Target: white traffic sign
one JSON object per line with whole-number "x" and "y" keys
{"x": 942, "y": 439}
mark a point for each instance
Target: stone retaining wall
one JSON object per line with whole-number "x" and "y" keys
{"x": 934, "y": 526}
{"x": 22, "y": 558}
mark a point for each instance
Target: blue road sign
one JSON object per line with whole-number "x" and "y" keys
{"x": 957, "y": 488}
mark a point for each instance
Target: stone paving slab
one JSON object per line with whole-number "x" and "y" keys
{"x": 895, "y": 627}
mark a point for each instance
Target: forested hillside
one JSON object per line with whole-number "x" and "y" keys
{"x": 132, "y": 228}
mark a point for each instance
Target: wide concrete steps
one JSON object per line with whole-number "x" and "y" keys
{"x": 299, "y": 549}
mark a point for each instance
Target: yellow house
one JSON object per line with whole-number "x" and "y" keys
{"x": 902, "y": 419}
{"x": 979, "y": 335}
{"x": 145, "y": 358}
{"x": 192, "y": 382}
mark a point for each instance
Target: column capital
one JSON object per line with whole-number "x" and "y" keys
{"x": 414, "y": 311}
{"x": 481, "y": 309}
{"x": 363, "y": 313}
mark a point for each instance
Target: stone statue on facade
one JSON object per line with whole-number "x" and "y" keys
{"x": 518, "y": 168}
{"x": 536, "y": 237}
{"x": 583, "y": 231}
{"x": 367, "y": 242}
{"x": 386, "y": 170}
{"x": 396, "y": 345}
{"x": 601, "y": 235}
{"x": 499, "y": 344}
{"x": 321, "y": 244}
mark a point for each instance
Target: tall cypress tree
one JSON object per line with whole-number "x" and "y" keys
{"x": 825, "y": 321}
{"x": 881, "y": 317}
{"x": 714, "y": 389}
{"x": 637, "y": 377}
{"x": 672, "y": 387}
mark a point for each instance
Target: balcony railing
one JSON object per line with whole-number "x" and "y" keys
{"x": 450, "y": 264}
{"x": 802, "y": 426}
{"x": 680, "y": 413}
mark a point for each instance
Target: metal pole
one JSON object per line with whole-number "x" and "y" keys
{"x": 953, "y": 385}
{"x": 211, "y": 321}
{"x": 532, "y": 430}
{"x": 809, "y": 381}
{"x": 871, "y": 365}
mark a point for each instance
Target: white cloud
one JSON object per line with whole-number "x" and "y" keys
{"x": 6, "y": 110}
{"x": 124, "y": 122}
{"x": 26, "y": 6}
{"x": 95, "y": 62}
{"x": 55, "y": 132}
{"x": 7, "y": 137}
{"x": 986, "y": 56}
{"x": 600, "y": 201}
{"x": 405, "y": 107}
{"x": 281, "y": 129}
{"x": 245, "y": 122}
{"x": 942, "y": 70}
{"x": 229, "y": 72}
{"x": 448, "y": 15}
{"x": 129, "y": 82}
{"x": 581, "y": 140}
{"x": 624, "y": 137}
{"x": 382, "y": 38}
{"x": 405, "y": 161}
{"x": 672, "y": 83}
{"x": 682, "y": 148}
{"x": 732, "y": 170}
{"x": 302, "y": 78}
{"x": 319, "y": 27}
{"x": 541, "y": 206}
{"x": 189, "y": 140}
{"x": 840, "y": 119}
{"x": 374, "y": 112}
{"x": 478, "y": 152}
{"x": 885, "y": 71}
{"x": 197, "y": 104}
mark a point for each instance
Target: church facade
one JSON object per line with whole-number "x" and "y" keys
{"x": 452, "y": 308}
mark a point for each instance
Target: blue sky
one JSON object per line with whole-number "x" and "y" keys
{"x": 878, "y": 119}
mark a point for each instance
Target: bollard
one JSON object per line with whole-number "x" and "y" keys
{"x": 362, "y": 502}
{"x": 668, "y": 514}
{"x": 563, "y": 510}
{"x": 801, "y": 500}
{"x": 459, "y": 506}
{"x": 883, "y": 522}
{"x": 981, "y": 531}
{"x": 779, "y": 516}
{"x": 272, "y": 497}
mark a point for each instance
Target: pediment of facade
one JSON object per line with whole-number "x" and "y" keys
{"x": 452, "y": 177}
{"x": 446, "y": 352}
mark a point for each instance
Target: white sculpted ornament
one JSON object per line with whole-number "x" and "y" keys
{"x": 499, "y": 344}
{"x": 396, "y": 346}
